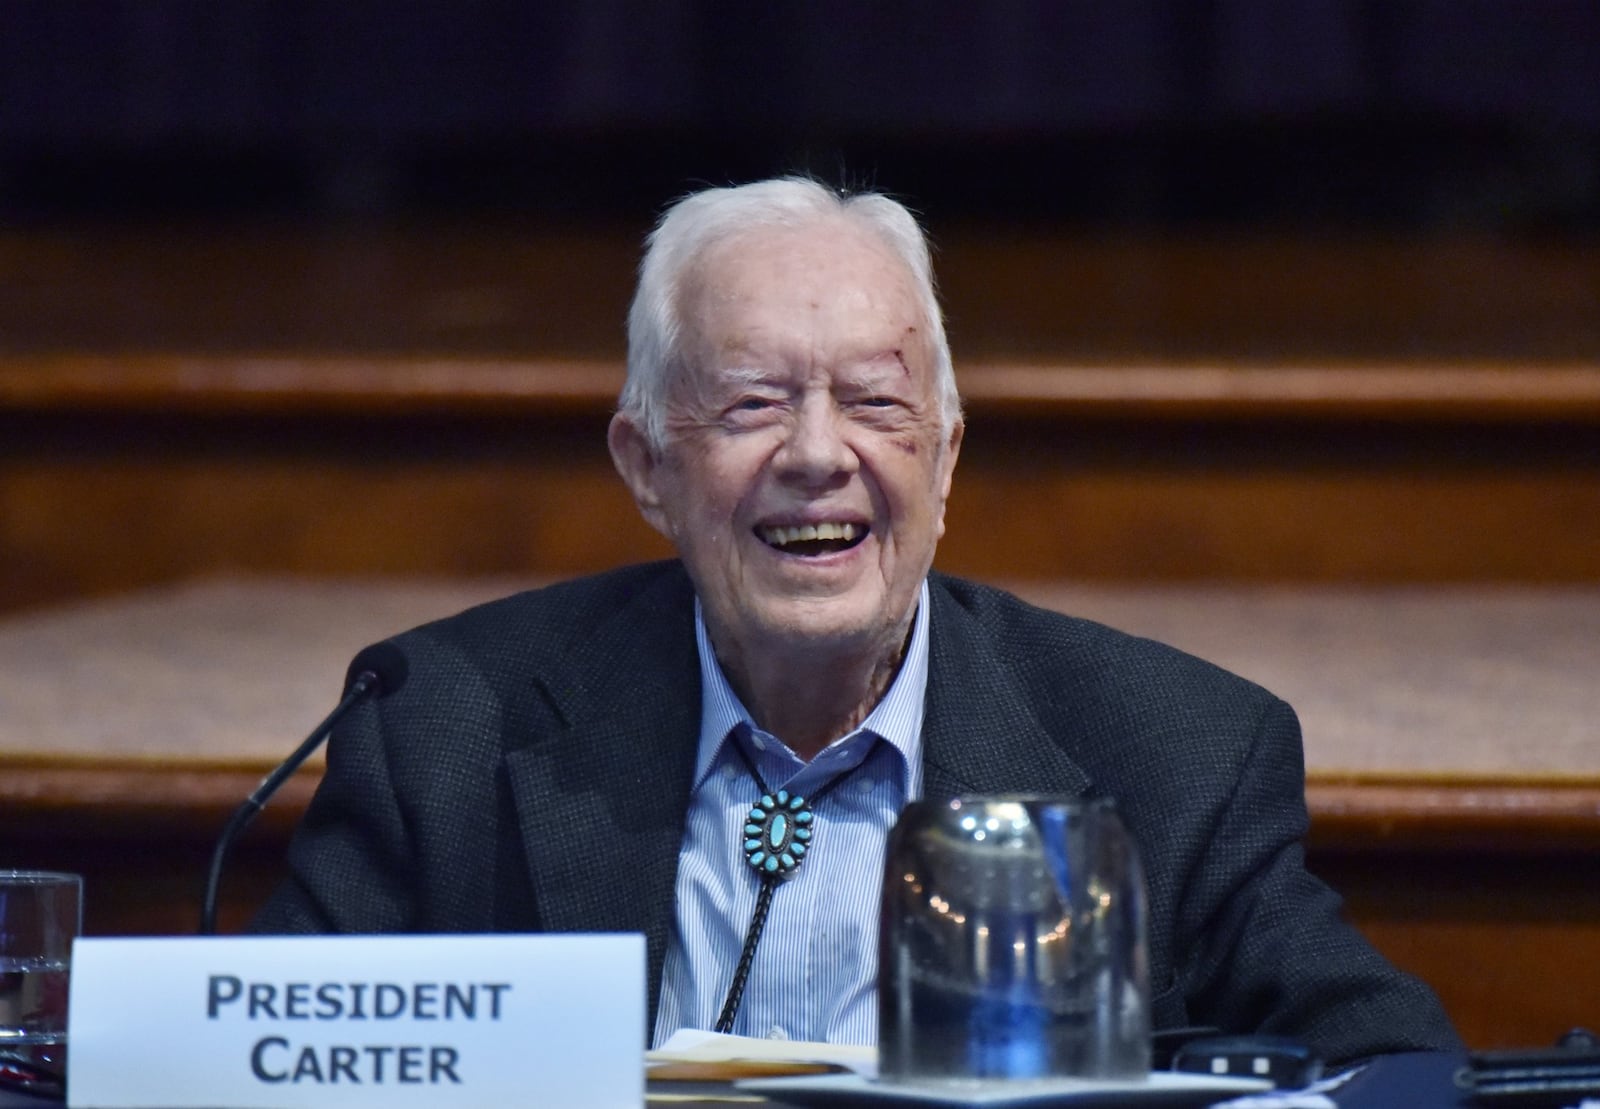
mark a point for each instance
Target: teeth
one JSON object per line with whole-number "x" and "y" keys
{"x": 783, "y": 536}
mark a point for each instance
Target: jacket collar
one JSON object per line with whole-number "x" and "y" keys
{"x": 602, "y": 801}
{"x": 981, "y": 735}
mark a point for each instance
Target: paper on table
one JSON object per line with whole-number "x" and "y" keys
{"x": 696, "y": 1045}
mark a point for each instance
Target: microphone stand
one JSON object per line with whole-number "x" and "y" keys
{"x": 364, "y": 684}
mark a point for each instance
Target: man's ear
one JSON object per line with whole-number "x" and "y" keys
{"x": 640, "y": 466}
{"x": 952, "y": 451}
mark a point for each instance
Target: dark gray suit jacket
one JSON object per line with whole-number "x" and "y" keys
{"x": 533, "y": 773}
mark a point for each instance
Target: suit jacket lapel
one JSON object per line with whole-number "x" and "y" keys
{"x": 980, "y": 734}
{"x": 602, "y": 803}
{"x": 602, "y": 799}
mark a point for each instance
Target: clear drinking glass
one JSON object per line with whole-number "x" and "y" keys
{"x": 41, "y": 912}
{"x": 1013, "y": 943}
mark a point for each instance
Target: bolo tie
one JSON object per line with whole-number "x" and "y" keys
{"x": 777, "y": 837}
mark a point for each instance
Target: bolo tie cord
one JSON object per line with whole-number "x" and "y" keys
{"x": 768, "y": 861}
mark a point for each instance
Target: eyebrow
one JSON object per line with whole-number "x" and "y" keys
{"x": 893, "y": 359}
{"x": 883, "y": 367}
{"x": 741, "y": 374}
{"x": 886, "y": 367}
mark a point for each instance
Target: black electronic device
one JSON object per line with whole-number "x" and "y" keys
{"x": 1165, "y": 1042}
{"x": 1552, "y": 1076}
{"x": 1287, "y": 1063}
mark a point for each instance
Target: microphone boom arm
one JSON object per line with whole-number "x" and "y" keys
{"x": 365, "y": 683}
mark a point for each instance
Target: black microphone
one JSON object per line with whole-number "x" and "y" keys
{"x": 377, "y": 671}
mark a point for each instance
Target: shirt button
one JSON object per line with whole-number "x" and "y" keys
{"x": 777, "y": 1033}
{"x": 865, "y": 785}
{"x": 757, "y": 742}
{"x": 730, "y": 772}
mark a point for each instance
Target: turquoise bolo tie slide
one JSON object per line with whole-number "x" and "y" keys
{"x": 777, "y": 833}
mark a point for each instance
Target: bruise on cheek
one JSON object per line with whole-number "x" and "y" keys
{"x": 906, "y": 444}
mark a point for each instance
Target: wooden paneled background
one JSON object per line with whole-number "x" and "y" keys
{"x": 434, "y": 403}
{"x": 431, "y": 402}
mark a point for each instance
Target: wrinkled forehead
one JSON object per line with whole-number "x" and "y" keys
{"x": 835, "y": 279}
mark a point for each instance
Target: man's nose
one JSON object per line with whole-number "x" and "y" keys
{"x": 816, "y": 452}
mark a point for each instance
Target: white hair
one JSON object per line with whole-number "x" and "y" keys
{"x": 704, "y": 218}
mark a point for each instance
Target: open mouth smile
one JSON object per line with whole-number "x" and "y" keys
{"x": 810, "y": 540}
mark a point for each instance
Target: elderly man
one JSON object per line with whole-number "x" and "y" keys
{"x": 585, "y": 757}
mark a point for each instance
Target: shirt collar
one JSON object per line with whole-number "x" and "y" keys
{"x": 896, "y": 719}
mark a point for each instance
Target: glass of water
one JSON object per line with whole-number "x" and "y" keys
{"x": 1013, "y": 944}
{"x": 41, "y": 912}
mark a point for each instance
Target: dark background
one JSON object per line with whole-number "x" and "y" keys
{"x": 1404, "y": 115}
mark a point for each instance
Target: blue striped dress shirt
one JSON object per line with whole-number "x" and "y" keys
{"x": 815, "y": 972}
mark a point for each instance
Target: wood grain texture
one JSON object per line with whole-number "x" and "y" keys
{"x": 195, "y": 402}
{"x": 1510, "y": 818}
{"x": 169, "y": 707}
{"x": 98, "y": 503}
{"x": 1012, "y": 293}
{"x": 1502, "y": 923}
{"x": 1506, "y": 940}
{"x": 1504, "y": 818}
{"x": 232, "y": 383}
{"x": 1423, "y": 686}
{"x": 198, "y": 400}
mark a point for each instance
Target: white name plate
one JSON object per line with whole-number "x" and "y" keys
{"x": 251, "y": 1023}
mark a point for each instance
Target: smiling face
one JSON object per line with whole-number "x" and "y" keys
{"x": 805, "y": 469}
